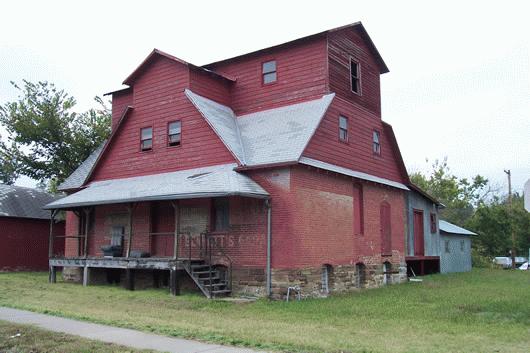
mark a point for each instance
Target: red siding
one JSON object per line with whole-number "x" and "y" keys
{"x": 24, "y": 243}
{"x": 357, "y": 153}
{"x": 301, "y": 73}
{"x": 159, "y": 99}
{"x": 342, "y": 45}
{"x": 120, "y": 100}
{"x": 211, "y": 87}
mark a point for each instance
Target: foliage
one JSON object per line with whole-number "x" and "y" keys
{"x": 494, "y": 223}
{"x": 47, "y": 138}
{"x": 480, "y": 311}
{"x": 8, "y": 168}
{"x": 459, "y": 195}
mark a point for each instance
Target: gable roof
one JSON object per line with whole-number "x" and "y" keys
{"x": 159, "y": 53}
{"x": 272, "y": 136}
{"x": 17, "y": 201}
{"x": 450, "y": 228}
{"x": 356, "y": 25}
{"x": 78, "y": 178}
{"x": 213, "y": 181}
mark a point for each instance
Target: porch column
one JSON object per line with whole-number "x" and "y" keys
{"x": 269, "y": 216}
{"x": 87, "y": 217}
{"x": 130, "y": 209}
{"x": 52, "y": 277}
{"x": 176, "y": 207}
{"x": 174, "y": 287}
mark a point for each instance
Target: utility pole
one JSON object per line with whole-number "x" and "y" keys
{"x": 509, "y": 173}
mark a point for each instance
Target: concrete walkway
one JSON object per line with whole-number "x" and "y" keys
{"x": 125, "y": 337}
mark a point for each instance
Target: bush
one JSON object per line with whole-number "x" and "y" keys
{"x": 479, "y": 260}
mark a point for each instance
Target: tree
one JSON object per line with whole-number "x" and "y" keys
{"x": 47, "y": 138}
{"x": 460, "y": 196}
{"x": 8, "y": 169}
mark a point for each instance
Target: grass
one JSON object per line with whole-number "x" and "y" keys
{"x": 35, "y": 340}
{"x": 482, "y": 311}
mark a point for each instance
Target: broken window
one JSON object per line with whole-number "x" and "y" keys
{"x": 355, "y": 76}
{"x": 376, "y": 146}
{"x": 343, "y": 128}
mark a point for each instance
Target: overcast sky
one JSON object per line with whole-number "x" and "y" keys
{"x": 458, "y": 86}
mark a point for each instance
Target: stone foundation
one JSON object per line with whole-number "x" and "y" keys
{"x": 73, "y": 274}
{"x": 249, "y": 282}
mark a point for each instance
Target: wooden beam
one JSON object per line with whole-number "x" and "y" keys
{"x": 129, "y": 279}
{"x": 130, "y": 209}
{"x": 87, "y": 224}
{"x": 86, "y": 275}
{"x": 50, "y": 242}
{"x": 174, "y": 286}
{"x": 176, "y": 207}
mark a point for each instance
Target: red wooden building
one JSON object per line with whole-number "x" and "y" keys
{"x": 25, "y": 229}
{"x": 253, "y": 174}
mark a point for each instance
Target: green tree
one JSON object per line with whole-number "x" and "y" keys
{"x": 8, "y": 169}
{"x": 494, "y": 222}
{"x": 47, "y": 138}
{"x": 460, "y": 196}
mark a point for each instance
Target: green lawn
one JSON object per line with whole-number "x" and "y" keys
{"x": 35, "y": 340}
{"x": 481, "y": 311}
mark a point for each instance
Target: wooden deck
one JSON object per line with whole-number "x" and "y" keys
{"x": 147, "y": 263}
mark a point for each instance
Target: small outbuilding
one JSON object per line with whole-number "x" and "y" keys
{"x": 25, "y": 229}
{"x": 455, "y": 246}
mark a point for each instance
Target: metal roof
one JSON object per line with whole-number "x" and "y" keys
{"x": 213, "y": 181}
{"x": 78, "y": 178}
{"x": 270, "y": 136}
{"x": 341, "y": 170}
{"x": 451, "y": 228}
{"x": 17, "y": 201}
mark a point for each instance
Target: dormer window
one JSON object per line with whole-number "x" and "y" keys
{"x": 343, "y": 128}
{"x": 173, "y": 133}
{"x": 268, "y": 72}
{"x": 355, "y": 76}
{"x": 146, "y": 139}
{"x": 376, "y": 144}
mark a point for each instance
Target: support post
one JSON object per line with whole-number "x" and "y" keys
{"x": 50, "y": 243}
{"x": 509, "y": 173}
{"x": 129, "y": 279}
{"x": 52, "y": 275}
{"x": 87, "y": 217}
{"x": 86, "y": 274}
{"x": 174, "y": 286}
{"x": 130, "y": 208}
{"x": 176, "y": 206}
{"x": 268, "y": 281}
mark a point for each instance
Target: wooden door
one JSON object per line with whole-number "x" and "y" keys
{"x": 386, "y": 231}
{"x": 419, "y": 247}
{"x": 162, "y": 229}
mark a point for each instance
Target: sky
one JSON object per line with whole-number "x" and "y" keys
{"x": 458, "y": 86}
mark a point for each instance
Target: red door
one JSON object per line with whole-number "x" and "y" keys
{"x": 162, "y": 229}
{"x": 386, "y": 231}
{"x": 419, "y": 247}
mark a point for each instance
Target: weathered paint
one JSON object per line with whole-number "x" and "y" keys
{"x": 457, "y": 259}
{"x": 431, "y": 240}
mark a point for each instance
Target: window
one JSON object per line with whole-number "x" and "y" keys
{"x": 434, "y": 226}
{"x": 447, "y": 246}
{"x": 355, "y": 76}
{"x": 268, "y": 72}
{"x": 358, "y": 211}
{"x": 146, "y": 139}
{"x": 173, "y": 133}
{"x": 325, "y": 280}
{"x": 462, "y": 245}
{"x": 343, "y": 128}
{"x": 376, "y": 145}
{"x": 221, "y": 215}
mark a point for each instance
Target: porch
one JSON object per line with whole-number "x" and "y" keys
{"x": 201, "y": 235}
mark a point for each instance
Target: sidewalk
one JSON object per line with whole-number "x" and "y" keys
{"x": 125, "y": 337}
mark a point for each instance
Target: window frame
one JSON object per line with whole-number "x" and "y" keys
{"x": 169, "y": 135}
{"x": 378, "y": 143}
{"x": 357, "y": 78}
{"x": 347, "y": 140}
{"x": 434, "y": 223}
{"x": 142, "y": 139}
{"x": 263, "y": 73}
{"x": 214, "y": 213}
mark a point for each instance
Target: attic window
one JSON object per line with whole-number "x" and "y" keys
{"x": 376, "y": 145}
{"x": 355, "y": 76}
{"x": 173, "y": 133}
{"x": 146, "y": 139}
{"x": 268, "y": 72}
{"x": 343, "y": 128}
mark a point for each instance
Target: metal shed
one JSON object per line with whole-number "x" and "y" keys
{"x": 455, "y": 246}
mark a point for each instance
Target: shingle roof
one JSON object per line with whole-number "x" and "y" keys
{"x": 451, "y": 228}
{"x": 17, "y": 201}
{"x": 79, "y": 176}
{"x": 270, "y": 136}
{"x": 213, "y": 181}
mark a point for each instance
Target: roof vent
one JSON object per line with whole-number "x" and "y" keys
{"x": 198, "y": 175}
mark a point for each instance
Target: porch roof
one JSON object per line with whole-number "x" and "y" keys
{"x": 213, "y": 181}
